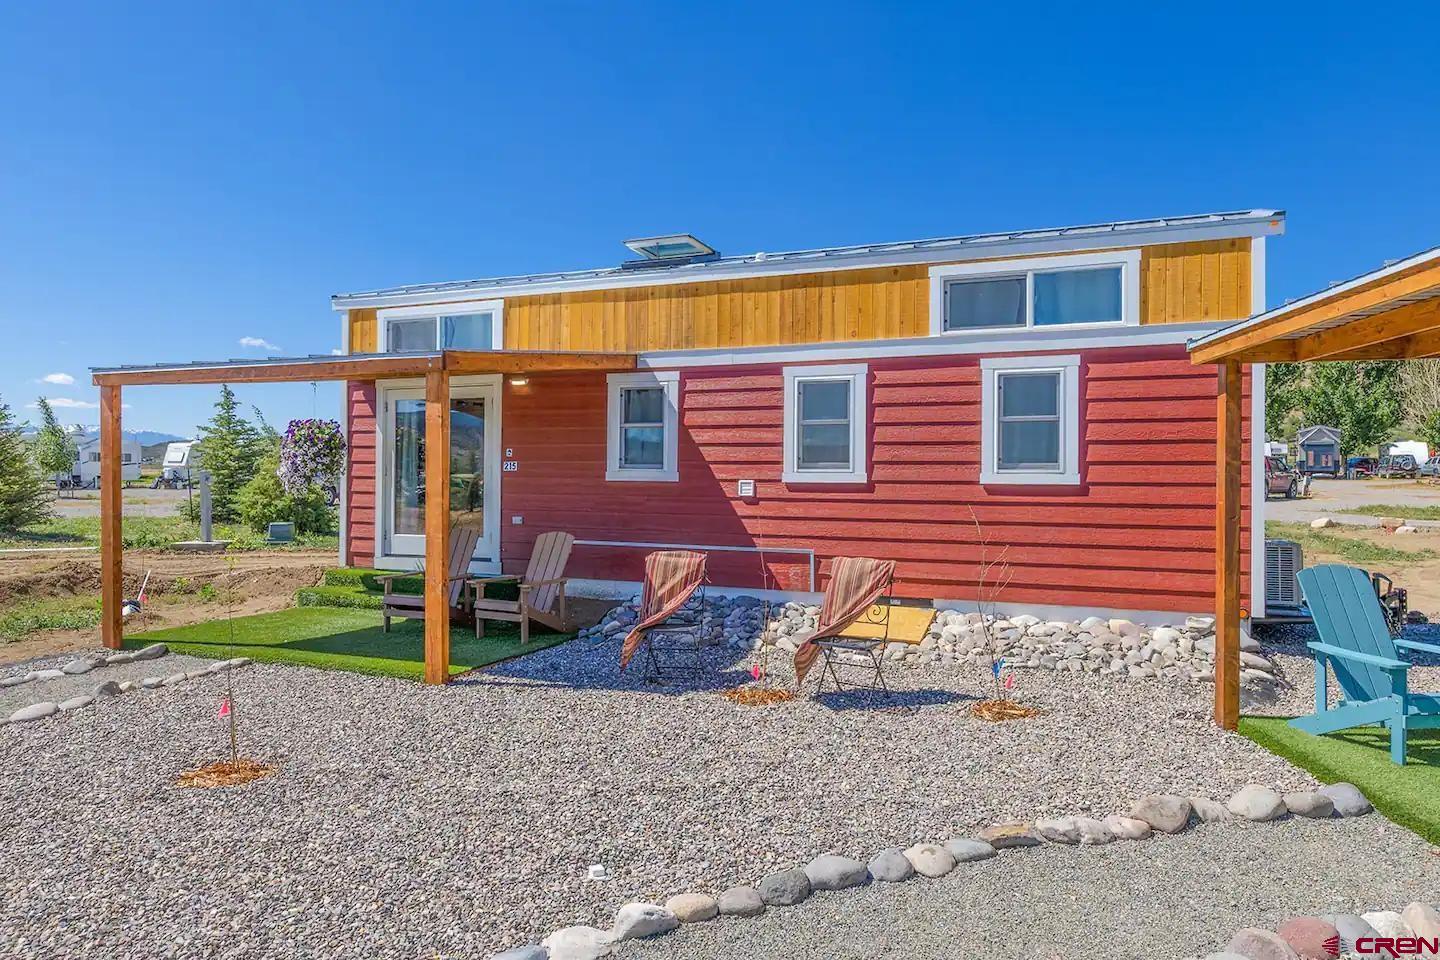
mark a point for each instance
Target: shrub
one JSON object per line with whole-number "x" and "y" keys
{"x": 263, "y": 501}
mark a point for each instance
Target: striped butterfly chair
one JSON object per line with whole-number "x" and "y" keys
{"x": 671, "y": 638}
{"x": 852, "y": 596}
{"x": 1355, "y": 644}
{"x": 542, "y": 589}
{"x": 410, "y": 606}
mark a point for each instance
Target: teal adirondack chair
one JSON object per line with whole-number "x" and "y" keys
{"x": 1356, "y": 644}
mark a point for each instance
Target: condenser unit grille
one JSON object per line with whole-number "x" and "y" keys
{"x": 1283, "y": 560}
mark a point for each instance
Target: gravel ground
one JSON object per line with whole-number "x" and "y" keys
{"x": 63, "y": 688}
{"x": 407, "y": 821}
{"x": 1168, "y": 897}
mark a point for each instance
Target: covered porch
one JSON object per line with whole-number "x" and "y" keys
{"x": 1388, "y": 314}
{"x": 436, "y": 370}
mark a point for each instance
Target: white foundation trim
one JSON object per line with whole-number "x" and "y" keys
{"x": 1257, "y": 490}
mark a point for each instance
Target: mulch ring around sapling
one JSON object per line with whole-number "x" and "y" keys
{"x": 226, "y": 773}
{"x": 997, "y": 710}
{"x": 757, "y": 696}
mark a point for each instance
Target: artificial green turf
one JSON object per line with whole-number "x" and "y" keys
{"x": 343, "y": 639}
{"x": 1408, "y": 795}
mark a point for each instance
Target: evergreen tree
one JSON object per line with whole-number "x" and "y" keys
{"x": 230, "y": 448}
{"x": 24, "y": 498}
{"x": 54, "y": 450}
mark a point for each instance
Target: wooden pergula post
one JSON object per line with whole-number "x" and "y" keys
{"x": 437, "y": 526}
{"x": 1227, "y": 544}
{"x": 112, "y": 572}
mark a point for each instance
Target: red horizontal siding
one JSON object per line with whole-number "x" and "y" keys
{"x": 1138, "y": 532}
{"x": 360, "y": 477}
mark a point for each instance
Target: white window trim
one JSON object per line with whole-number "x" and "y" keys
{"x": 496, "y": 308}
{"x": 858, "y": 374}
{"x": 1069, "y": 369}
{"x": 669, "y": 380}
{"x": 1127, "y": 260}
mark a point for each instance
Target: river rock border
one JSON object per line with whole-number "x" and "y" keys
{"x": 1113, "y": 647}
{"x": 108, "y": 688}
{"x": 1163, "y": 813}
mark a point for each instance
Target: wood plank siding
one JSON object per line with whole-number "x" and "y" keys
{"x": 1138, "y": 533}
{"x": 1180, "y": 282}
{"x": 360, "y": 493}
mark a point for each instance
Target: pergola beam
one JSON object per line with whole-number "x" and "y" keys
{"x": 437, "y": 526}
{"x": 1227, "y": 543}
{"x": 112, "y": 570}
{"x": 1371, "y": 332}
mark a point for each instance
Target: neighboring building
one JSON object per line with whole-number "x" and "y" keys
{"x": 86, "y": 470}
{"x": 1320, "y": 451}
{"x": 938, "y": 402}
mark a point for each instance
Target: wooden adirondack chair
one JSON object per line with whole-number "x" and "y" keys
{"x": 1356, "y": 643}
{"x": 542, "y": 589}
{"x": 411, "y": 606}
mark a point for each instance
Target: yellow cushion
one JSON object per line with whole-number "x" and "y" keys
{"x": 907, "y": 624}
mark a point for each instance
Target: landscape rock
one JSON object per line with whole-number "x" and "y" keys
{"x": 1257, "y": 803}
{"x": 785, "y": 888}
{"x": 969, "y": 851}
{"x": 109, "y": 688}
{"x": 1423, "y": 919}
{"x": 1308, "y": 937}
{"x": 76, "y": 703}
{"x": 1010, "y": 836}
{"x": 152, "y": 652}
{"x": 831, "y": 872}
{"x": 930, "y": 859}
{"x": 173, "y": 679}
{"x": 116, "y": 659}
{"x": 577, "y": 943}
{"x": 633, "y": 921}
{"x": 1256, "y": 944}
{"x": 1128, "y": 828}
{"x": 1310, "y": 803}
{"x": 77, "y": 667}
{"x": 1388, "y": 923}
{"x": 891, "y": 866}
{"x": 1062, "y": 830}
{"x": 1094, "y": 833}
{"x": 15, "y": 681}
{"x": 1351, "y": 927}
{"x": 48, "y": 674}
{"x": 1347, "y": 799}
{"x": 531, "y": 951}
{"x": 35, "y": 711}
{"x": 1320, "y": 523}
{"x": 1208, "y": 811}
{"x": 740, "y": 902}
{"x": 693, "y": 907}
{"x": 1165, "y": 812}
{"x": 150, "y": 683}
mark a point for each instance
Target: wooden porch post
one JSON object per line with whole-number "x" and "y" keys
{"x": 437, "y": 526}
{"x": 1227, "y": 544}
{"x": 112, "y": 573}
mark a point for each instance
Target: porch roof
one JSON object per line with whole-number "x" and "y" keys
{"x": 1390, "y": 313}
{"x": 359, "y": 366}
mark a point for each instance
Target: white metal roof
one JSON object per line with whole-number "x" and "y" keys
{"x": 1238, "y": 223}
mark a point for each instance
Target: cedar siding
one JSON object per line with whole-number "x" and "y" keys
{"x": 1179, "y": 283}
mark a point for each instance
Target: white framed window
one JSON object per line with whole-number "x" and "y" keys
{"x": 643, "y": 426}
{"x": 476, "y": 325}
{"x": 826, "y": 424}
{"x": 1081, "y": 290}
{"x": 1030, "y": 420}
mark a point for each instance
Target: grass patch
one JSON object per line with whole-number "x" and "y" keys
{"x": 1352, "y": 549}
{"x": 61, "y": 613}
{"x": 150, "y": 533}
{"x": 1408, "y": 795}
{"x": 1428, "y": 511}
{"x": 360, "y": 589}
{"x": 343, "y": 639}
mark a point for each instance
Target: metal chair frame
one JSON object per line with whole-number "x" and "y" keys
{"x": 872, "y": 649}
{"x": 680, "y": 656}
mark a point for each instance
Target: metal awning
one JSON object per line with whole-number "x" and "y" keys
{"x": 360, "y": 366}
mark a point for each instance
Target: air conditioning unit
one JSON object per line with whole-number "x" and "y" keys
{"x": 1283, "y": 560}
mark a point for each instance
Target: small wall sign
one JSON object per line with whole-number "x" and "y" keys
{"x": 510, "y": 466}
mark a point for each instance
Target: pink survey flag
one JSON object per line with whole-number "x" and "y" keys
{"x": 757, "y": 672}
{"x": 224, "y": 708}
{"x": 1009, "y": 681}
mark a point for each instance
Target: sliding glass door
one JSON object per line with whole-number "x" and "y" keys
{"x": 474, "y": 472}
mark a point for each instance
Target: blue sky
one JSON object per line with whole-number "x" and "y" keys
{"x": 177, "y": 177}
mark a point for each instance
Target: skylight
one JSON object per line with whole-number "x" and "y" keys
{"x": 669, "y": 247}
